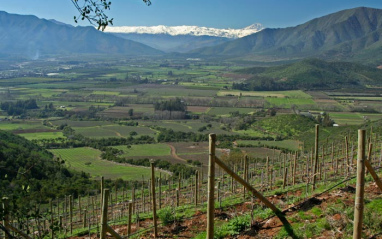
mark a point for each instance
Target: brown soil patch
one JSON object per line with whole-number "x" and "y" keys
{"x": 197, "y": 109}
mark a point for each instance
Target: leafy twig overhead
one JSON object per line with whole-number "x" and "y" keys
{"x": 94, "y": 12}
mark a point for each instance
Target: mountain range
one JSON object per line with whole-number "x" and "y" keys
{"x": 30, "y": 37}
{"x": 353, "y": 34}
{"x": 348, "y": 35}
{"x": 181, "y": 39}
{"x": 188, "y": 30}
{"x": 311, "y": 74}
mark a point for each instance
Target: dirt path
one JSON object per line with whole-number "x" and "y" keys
{"x": 174, "y": 155}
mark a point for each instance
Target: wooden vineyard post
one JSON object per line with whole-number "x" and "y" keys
{"x": 211, "y": 188}
{"x": 143, "y": 200}
{"x": 6, "y": 218}
{"x": 347, "y": 157}
{"x": 294, "y": 169}
{"x": 102, "y": 187}
{"x": 315, "y": 157}
{"x": 267, "y": 173}
{"x": 71, "y": 213}
{"x": 154, "y": 201}
{"x": 218, "y": 196}
{"x": 371, "y": 170}
{"x": 129, "y": 220}
{"x": 245, "y": 172}
{"x": 285, "y": 177}
{"x": 104, "y": 206}
{"x": 79, "y": 208}
{"x": 160, "y": 190}
{"x": 133, "y": 198}
{"x": 196, "y": 188}
{"x": 332, "y": 155}
{"x": 177, "y": 197}
{"x": 358, "y": 207}
{"x": 84, "y": 218}
{"x": 51, "y": 218}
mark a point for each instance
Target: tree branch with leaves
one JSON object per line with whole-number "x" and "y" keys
{"x": 94, "y": 12}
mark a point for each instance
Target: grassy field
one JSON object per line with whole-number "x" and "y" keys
{"x": 353, "y": 118}
{"x": 299, "y": 94}
{"x": 88, "y": 161}
{"x": 228, "y": 110}
{"x": 42, "y": 135}
{"x": 286, "y": 144}
{"x": 112, "y": 131}
{"x": 21, "y": 125}
{"x": 145, "y": 150}
{"x": 288, "y": 102}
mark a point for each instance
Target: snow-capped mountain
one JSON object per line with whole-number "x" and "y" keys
{"x": 188, "y": 30}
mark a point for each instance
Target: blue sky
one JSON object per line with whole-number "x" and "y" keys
{"x": 210, "y": 13}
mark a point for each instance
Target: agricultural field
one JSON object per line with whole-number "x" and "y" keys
{"x": 99, "y": 100}
{"x": 353, "y": 118}
{"x": 289, "y": 102}
{"x": 292, "y": 145}
{"x": 88, "y": 160}
{"x": 144, "y": 150}
{"x": 21, "y": 125}
{"x": 226, "y": 111}
{"x": 113, "y": 130}
{"x": 42, "y": 135}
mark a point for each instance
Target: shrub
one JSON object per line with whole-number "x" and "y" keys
{"x": 167, "y": 215}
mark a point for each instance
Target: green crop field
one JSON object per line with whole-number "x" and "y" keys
{"x": 286, "y": 144}
{"x": 299, "y": 94}
{"x": 115, "y": 130}
{"x": 88, "y": 161}
{"x": 288, "y": 102}
{"x": 83, "y": 123}
{"x": 353, "y": 118}
{"x": 228, "y": 110}
{"x": 42, "y": 135}
{"x": 145, "y": 150}
{"x": 20, "y": 125}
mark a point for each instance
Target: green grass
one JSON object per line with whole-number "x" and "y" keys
{"x": 286, "y": 144}
{"x": 42, "y": 135}
{"x": 115, "y": 130}
{"x": 288, "y": 102}
{"x": 228, "y": 110}
{"x": 353, "y": 118}
{"x": 145, "y": 150}
{"x": 20, "y": 125}
{"x": 99, "y": 92}
{"x": 88, "y": 161}
{"x": 299, "y": 94}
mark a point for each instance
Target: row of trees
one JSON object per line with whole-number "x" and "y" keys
{"x": 19, "y": 107}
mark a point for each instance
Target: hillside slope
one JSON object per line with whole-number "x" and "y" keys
{"x": 29, "y": 173}
{"x": 311, "y": 74}
{"x": 31, "y": 37}
{"x": 344, "y": 34}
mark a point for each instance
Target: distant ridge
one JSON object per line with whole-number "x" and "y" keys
{"x": 31, "y": 37}
{"x": 349, "y": 34}
{"x": 311, "y": 74}
{"x": 187, "y": 30}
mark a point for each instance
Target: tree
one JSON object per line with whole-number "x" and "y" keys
{"x": 94, "y": 12}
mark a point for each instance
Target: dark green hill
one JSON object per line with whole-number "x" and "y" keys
{"x": 341, "y": 35}
{"x": 32, "y": 37}
{"x": 30, "y": 174}
{"x": 311, "y": 74}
